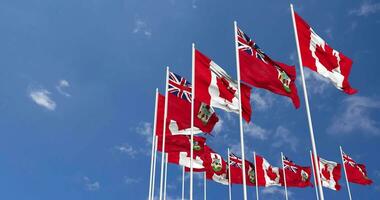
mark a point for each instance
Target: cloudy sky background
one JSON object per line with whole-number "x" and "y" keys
{"x": 77, "y": 86}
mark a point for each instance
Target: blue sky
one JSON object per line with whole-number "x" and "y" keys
{"x": 77, "y": 86}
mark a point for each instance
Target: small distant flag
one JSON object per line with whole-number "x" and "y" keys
{"x": 296, "y": 176}
{"x": 330, "y": 173}
{"x": 236, "y": 168}
{"x": 267, "y": 175}
{"x": 356, "y": 173}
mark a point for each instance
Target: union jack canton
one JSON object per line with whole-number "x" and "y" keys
{"x": 179, "y": 86}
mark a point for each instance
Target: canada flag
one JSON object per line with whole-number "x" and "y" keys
{"x": 267, "y": 175}
{"x": 320, "y": 57}
{"x": 330, "y": 174}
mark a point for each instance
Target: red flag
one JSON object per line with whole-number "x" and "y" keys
{"x": 267, "y": 175}
{"x": 330, "y": 173}
{"x": 259, "y": 70}
{"x": 296, "y": 176}
{"x": 215, "y": 166}
{"x": 356, "y": 173}
{"x": 176, "y": 143}
{"x": 183, "y": 158}
{"x": 236, "y": 168}
{"x": 321, "y": 58}
{"x": 216, "y": 88}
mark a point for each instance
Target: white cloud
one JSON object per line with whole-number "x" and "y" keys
{"x": 127, "y": 149}
{"x": 145, "y": 129}
{"x": 275, "y": 190}
{"x": 194, "y": 4}
{"x": 256, "y": 131}
{"x": 62, "y": 84}
{"x": 356, "y": 115}
{"x": 129, "y": 180}
{"x": 142, "y": 28}
{"x": 366, "y": 8}
{"x": 283, "y": 137}
{"x": 262, "y": 100}
{"x": 41, "y": 97}
{"x": 91, "y": 185}
{"x": 219, "y": 126}
{"x": 315, "y": 83}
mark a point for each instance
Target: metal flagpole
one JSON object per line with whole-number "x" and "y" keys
{"x": 345, "y": 173}
{"x": 183, "y": 182}
{"x": 153, "y": 146}
{"x": 240, "y": 113}
{"x": 283, "y": 171}
{"x": 229, "y": 175}
{"x": 192, "y": 118}
{"x": 164, "y": 133}
{"x": 314, "y": 148}
{"x": 256, "y": 178}
{"x": 154, "y": 166}
{"x": 166, "y": 174}
{"x": 204, "y": 186}
{"x": 315, "y": 180}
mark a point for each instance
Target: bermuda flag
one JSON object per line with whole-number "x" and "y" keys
{"x": 330, "y": 174}
{"x": 236, "y": 168}
{"x": 321, "y": 58}
{"x": 356, "y": 173}
{"x": 267, "y": 175}
{"x": 179, "y": 110}
{"x": 177, "y": 143}
{"x": 216, "y": 88}
{"x": 215, "y": 166}
{"x": 296, "y": 176}
{"x": 184, "y": 158}
{"x": 259, "y": 70}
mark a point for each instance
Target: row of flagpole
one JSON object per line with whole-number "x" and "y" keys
{"x": 163, "y": 175}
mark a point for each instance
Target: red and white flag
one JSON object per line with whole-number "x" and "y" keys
{"x": 296, "y": 176}
{"x": 216, "y": 88}
{"x": 330, "y": 173}
{"x": 184, "y": 159}
{"x": 267, "y": 175}
{"x": 356, "y": 173}
{"x": 236, "y": 170}
{"x": 215, "y": 166}
{"x": 177, "y": 143}
{"x": 259, "y": 70}
{"x": 320, "y": 57}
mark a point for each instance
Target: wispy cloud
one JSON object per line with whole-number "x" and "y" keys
{"x": 130, "y": 180}
{"x": 127, "y": 149}
{"x": 262, "y": 100}
{"x": 141, "y": 27}
{"x": 219, "y": 126}
{"x": 91, "y": 185}
{"x": 355, "y": 115}
{"x": 283, "y": 137}
{"x": 366, "y": 8}
{"x": 42, "y": 98}
{"x": 146, "y": 130}
{"x": 256, "y": 131}
{"x": 275, "y": 191}
{"x": 316, "y": 84}
{"x": 194, "y": 4}
{"x": 62, "y": 85}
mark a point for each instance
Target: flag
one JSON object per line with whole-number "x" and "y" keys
{"x": 330, "y": 174}
{"x": 215, "y": 166}
{"x": 236, "y": 170}
{"x": 259, "y": 70}
{"x": 320, "y": 57}
{"x": 184, "y": 158}
{"x": 296, "y": 176}
{"x": 356, "y": 173}
{"x": 267, "y": 175}
{"x": 178, "y": 143}
{"x": 216, "y": 88}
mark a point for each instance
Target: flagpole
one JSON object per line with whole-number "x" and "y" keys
{"x": 166, "y": 174}
{"x": 204, "y": 186}
{"x": 183, "y": 182}
{"x": 315, "y": 181}
{"x": 345, "y": 173}
{"x": 229, "y": 175}
{"x": 192, "y": 118}
{"x": 283, "y": 171}
{"x": 164, "y": 133}
{"x": 314, "y": 148}
{"x": 154, "y": 166}
{"x": 256, "y": 178}
{"x": 153, "y": 146}
{"x": 240, "y": 113}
